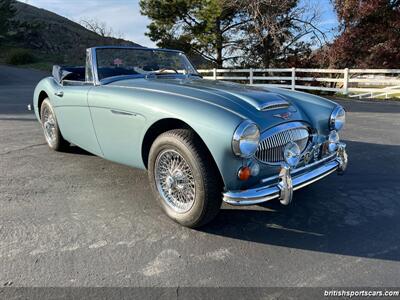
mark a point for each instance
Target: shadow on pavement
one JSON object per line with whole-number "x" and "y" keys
{"x": 76, "y": 150}
{"x": 356, "y": 214}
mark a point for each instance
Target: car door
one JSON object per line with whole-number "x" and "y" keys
{"x": 73, "y": 116}
{"x": 118, "y": 124}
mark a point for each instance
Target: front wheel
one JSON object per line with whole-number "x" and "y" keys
{"x": 51, "y": 129}
{"x": 184, "y": 178}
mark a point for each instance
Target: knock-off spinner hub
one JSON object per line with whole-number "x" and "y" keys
{"x": 170, "y": 181}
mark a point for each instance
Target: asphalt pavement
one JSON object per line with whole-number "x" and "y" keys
{"x": 74, "y": 219}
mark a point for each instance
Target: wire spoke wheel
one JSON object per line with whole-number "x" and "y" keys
{"x": 175, "y": 181}
{"x": 183, "y": 178}
{"x": 49, "y": 126}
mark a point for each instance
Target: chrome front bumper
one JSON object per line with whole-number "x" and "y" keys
{"x": 289, "y": 180}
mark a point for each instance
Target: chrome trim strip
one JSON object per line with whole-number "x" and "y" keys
{"x": 93, "y": 61}
{"x": 266, "y": 193}
{"x": 118, "y": 112}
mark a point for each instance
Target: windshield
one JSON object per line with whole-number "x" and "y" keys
{"x": 139, "y": 63}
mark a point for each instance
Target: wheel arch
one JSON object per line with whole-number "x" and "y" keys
{"x": 42, "y": 96}
{"x": 164, "y": 125}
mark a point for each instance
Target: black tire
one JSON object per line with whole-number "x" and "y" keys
{"x": 207, "y": 182}
{"x": 57, "y": 143}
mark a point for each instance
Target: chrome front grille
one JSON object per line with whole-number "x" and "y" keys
{"x": 274, "y": 140}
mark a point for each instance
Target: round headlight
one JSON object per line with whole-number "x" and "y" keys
{"x": 291, "y": 154}
{"x": 337, "y": 119}
{"x": 246, "y": 139}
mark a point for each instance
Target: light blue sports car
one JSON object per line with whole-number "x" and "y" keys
{"x": 202, "y": 141}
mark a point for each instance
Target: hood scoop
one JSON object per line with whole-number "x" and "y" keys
{"x": 276, "y": 103}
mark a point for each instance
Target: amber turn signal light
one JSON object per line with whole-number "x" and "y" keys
{"x": 244, "y": 173}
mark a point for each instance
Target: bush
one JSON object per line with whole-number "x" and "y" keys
{"x": 20, "y": 57}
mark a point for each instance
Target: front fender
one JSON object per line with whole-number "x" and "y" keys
{"x": 47, "y": 85}
{"x": 215, "y": 126}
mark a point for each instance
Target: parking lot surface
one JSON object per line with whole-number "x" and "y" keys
{"x": 74, "y": 219}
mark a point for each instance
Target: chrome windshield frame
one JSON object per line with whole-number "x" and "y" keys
{"x": 94, "y": 65}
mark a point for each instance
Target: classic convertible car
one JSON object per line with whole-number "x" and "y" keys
{"x": 202, "y": 141}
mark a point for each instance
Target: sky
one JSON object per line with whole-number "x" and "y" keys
{"x": 121, "y": 15}
{"x": 124, "y": 15}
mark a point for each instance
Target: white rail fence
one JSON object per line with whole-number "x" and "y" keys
{"x": 369, "y": 83}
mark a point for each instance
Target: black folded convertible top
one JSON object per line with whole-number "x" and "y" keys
{"x": 61, "y": 73}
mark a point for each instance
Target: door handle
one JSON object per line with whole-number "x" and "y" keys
{"x": 59, "y": 93}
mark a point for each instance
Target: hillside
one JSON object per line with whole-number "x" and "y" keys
{"x": 51, "y": 38}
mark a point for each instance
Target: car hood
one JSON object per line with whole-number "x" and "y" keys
{"x": 263, "y": 105}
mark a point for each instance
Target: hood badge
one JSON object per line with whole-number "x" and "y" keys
{"x": 284, "y": 116}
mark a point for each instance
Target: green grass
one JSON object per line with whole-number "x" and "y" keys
{"x": 42, "y": 66}
{"x": 41, "y": 61}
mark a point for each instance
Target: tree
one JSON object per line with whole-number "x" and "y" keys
{"x": 101, "y": 28}
{"x": 206, "y": 27}
{"x": 279, "y": 32}
{"x": 7, "y": 12}
{"x": 257, "y": 32}
{"x": 370, "y": 34}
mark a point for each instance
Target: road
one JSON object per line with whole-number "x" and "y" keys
{"x": 73, "y": 219}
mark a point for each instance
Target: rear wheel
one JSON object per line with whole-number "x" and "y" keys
{"x": 184, "y": 178}
{"x": 50, "y": 127}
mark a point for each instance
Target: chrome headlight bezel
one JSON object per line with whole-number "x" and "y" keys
{"x": 337, "y": 119}
{"x": 246, "y": 139}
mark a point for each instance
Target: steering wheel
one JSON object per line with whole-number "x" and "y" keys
{"x": 162, "y": 70}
